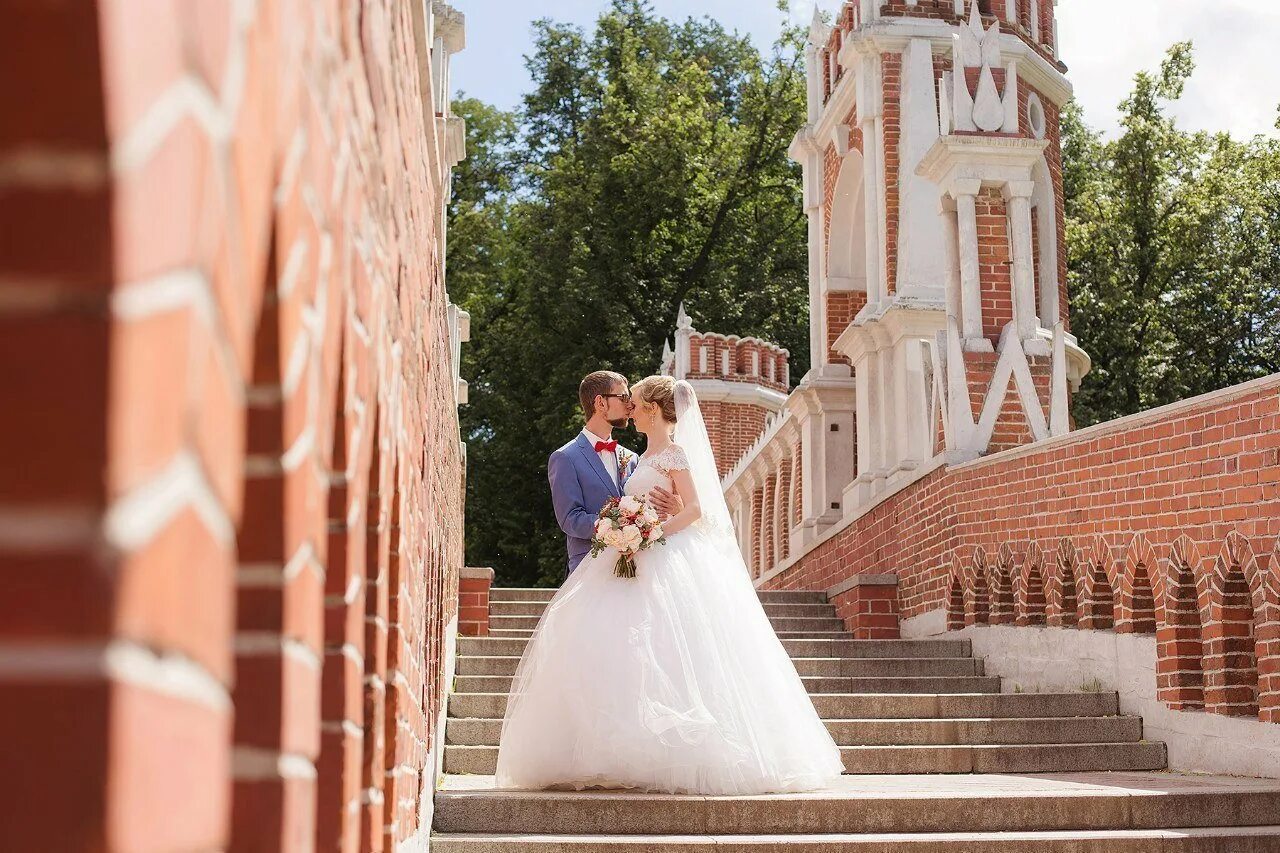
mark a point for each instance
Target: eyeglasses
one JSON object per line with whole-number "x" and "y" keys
{"x": 623, "y": 397}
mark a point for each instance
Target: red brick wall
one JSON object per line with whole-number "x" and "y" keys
{"x": 732, "y": 428}
{"x": 994, "y": 263}
{"x": 238, "y": 509}
{"x": 891, "y": 71}
{"x": 1188, "y": 493}
{"x": 831, "y": 162}
{"x": 842, "y": 307}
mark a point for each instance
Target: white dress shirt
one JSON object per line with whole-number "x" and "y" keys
{"x": 608, "y": 458}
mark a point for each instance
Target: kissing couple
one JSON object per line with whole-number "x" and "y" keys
{"x": 673, "y": 680}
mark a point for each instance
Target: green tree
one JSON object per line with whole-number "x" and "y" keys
{"x": 650, "y": 169}
{"x": 1172, "y": 243}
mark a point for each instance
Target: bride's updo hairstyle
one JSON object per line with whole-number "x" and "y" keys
{"x": 660, "y": 390}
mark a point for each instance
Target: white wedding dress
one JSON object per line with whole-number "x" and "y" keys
{"x": 670, "y": 681}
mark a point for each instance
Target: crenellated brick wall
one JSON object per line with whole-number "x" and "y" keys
{"x": 233, "y": 518}
{"x": 1167, "y": 522}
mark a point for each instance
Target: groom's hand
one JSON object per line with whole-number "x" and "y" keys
{"x": 665, "y": 503}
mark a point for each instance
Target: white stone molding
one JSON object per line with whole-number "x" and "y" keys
{"x": 920, "y": 241}
{"x": 1017, "y": 196}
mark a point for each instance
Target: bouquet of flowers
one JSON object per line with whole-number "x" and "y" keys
{"x": 629, "y": 525}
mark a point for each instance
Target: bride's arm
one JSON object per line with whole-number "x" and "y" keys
{"x": 692, "y": 510}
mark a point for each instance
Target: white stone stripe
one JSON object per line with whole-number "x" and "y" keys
{"x": 118, "y": 660}
{"x": 292, "y": 268}
{"x": 35, "y": 529}
{"x": 42, "y": 168}
{"x": 252, "y": 764}
{"x": 253, "y": 643}
{"x": 344, "y": 727}
{"x": 188, "y": 97}
{"x": 166, "y": 292}
{"x": 137, "y": 517}
{"x": 269, "y": 574}
{"x": 292, "y": 165}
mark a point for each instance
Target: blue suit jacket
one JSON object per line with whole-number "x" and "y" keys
{"x": 580, "y": 486}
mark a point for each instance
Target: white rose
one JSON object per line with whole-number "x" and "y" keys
{"x": 630, "y": 538}
{"x": 650, "y": 515}
{"x": 631, "y": 505}
{"x": 654, "y": 533}
{"x": 603, "y": 526}
{"x": 613, "y": 537}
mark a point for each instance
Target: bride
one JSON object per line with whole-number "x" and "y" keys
{"x": 673, "y": 680}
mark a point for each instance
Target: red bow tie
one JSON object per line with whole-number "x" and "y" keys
{"x": 610, "y": 446}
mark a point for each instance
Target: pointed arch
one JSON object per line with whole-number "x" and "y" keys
{"x": 1268, "y": 639}
{"x": 1097, "y": 599}
{"x": 1179, "y": 638}
{"x": 1230, "y": 652}
{"x": 977, "y": 597}
{"x": 847, "y": 235}
{"x": 1000, "y": 582}
{"x": 955, "y": 596}
{"x": 1137, "y": 592}
{"x": 1028, "y": 593}
{"x": 1063, "y": 597}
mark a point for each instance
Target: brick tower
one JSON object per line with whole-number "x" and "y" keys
{"x": 741, "y": 384}
{"x": 933, "y": 186}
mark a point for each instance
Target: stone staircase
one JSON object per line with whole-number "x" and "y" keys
{"x": 930, "y": 746}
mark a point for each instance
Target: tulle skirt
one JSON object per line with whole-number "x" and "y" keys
{"x": 671, "y": 681}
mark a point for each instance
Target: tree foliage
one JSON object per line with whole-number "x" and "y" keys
{"x": 1173, "y": 252}
{"x": 646, "y": 168}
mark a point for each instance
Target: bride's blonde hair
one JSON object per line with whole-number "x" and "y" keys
{"x": 660, "y": 390}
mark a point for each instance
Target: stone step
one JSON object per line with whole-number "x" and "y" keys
{"x": 772, "y": 608}
{"x": 772, "y": 596}
{"x": 525, "y": 633}
{"x": 827, "y": 648}
{"x": 889, "y": 732}
{"x": 962, "y": 684}
{"x": 824, "y": 667}
{"x": 888, "y": 705}
{"x": 868, "y": 804}
{"x": 829, "y": 624}
{"x": 888, "y": 667}
{"x": 1250, "y": 839}
{"x": 950, "y": 758}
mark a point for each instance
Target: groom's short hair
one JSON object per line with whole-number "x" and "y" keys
{"x": 595, "y": 384}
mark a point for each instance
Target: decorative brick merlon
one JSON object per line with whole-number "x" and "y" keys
{"x": 868, "y": 604}
{"x": 473, "y": 601}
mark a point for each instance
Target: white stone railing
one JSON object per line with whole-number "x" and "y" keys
{"x": 788, "y": 487}
{"x": 763, "y": 493}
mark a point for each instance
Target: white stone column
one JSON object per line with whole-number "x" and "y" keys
{"x": 865, "y": 399}
{"x": 951, "y": 256}
{"x": 1017, "y": 195}
{"x": 869, "y": 112}
{"x": 776, "y": 460}
{"x": 965, "y": 193}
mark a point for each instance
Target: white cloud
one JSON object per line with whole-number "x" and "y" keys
{"x": 1236, "y": 85}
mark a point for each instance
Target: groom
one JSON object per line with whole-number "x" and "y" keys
{"x": 593, "y": 467}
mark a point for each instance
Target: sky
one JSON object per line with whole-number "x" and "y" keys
{"x": 1236, "y": 86}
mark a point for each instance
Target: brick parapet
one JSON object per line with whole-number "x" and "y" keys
{"x": 1193, "y": 486}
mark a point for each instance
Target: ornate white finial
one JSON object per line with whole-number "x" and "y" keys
{"x": 819, "y": 32}
{"x": 667, "y": 355}
{"x": 682, "y": 319}
{"x": 985, "y": 109}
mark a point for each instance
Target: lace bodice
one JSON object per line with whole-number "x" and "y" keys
{"x": 656, "y": 470}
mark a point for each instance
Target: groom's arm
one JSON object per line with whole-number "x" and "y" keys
{"x": 566, "y": 496}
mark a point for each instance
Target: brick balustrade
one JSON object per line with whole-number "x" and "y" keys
{"x": 473, "y": 601}
{"x": 1166, "y": 522}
